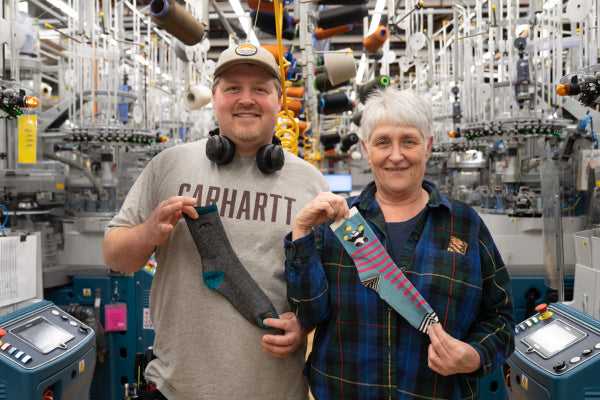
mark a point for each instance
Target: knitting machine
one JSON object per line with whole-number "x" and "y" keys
{"x": 45, "y": 353}
{"x": 121, "y": 305}
{"x": 555, "y": 356}
{"x": 557, "y": 347}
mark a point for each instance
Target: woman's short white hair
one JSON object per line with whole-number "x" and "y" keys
{"x": 396, "y": 107}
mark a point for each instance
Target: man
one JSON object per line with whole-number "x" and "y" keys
{"x": 206, "y": 347}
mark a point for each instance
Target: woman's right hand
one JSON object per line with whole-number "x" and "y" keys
{"x": 325, "y": 207}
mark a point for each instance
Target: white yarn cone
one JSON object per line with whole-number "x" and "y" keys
{"x": 339, "y": 66}
{"x": 197, "y": 96}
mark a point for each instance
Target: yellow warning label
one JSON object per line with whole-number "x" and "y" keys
{"x": 524, "y": 382}
{"x": 87, "y": 292}
{"x": 27, "y": 139}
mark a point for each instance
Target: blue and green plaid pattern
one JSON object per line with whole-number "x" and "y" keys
{"x": 362, "y": 348}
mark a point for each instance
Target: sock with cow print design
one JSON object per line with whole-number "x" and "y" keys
{"x": 378, "y": 271}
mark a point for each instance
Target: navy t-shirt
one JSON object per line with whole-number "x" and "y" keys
{"x": 398, "y": 233}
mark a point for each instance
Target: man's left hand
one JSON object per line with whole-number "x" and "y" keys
{"x": 449, "y": 356}
{"x": 293, "y": 336}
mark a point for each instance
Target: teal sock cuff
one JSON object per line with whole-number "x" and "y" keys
{"x": 263, "y": 325}
{"x": 207, "y": 210}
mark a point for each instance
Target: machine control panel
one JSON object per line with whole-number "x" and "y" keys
{"x": 41, "y": 336}
{"x": 556, "y": 341}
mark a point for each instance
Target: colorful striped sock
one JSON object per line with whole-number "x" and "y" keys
{"x": 378, "y": 271}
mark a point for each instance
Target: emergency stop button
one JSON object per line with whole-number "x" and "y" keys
{"x": 543, "y": 310}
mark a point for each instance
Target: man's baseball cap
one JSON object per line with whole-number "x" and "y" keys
{"x": 248, "y": 54}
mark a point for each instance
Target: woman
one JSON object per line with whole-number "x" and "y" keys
{"x": 364, "y": 345}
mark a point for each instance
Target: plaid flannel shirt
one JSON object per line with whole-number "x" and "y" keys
{"x": 363, "y": 349}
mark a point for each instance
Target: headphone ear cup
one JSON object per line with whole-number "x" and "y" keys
{"x": 270, "y": 158}
{"x": 220, "y": 149}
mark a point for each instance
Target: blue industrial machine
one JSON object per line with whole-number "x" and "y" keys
{"x": 491, "y": 387}
{"x": 116, "y": 357}
{"x": 556, "y": 349}
{"x": 527, "y": 292}
{"x": 45, "y": 354}
{"x": 555, "y": 356}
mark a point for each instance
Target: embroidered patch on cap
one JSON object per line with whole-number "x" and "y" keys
{"x": 458, "y": 246}
{"x": 246, "y": 49}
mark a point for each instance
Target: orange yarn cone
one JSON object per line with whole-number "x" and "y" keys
{"x": 375, "y": 40}
{"x": 321, "y": 33}
{"x": 295, "y": 91}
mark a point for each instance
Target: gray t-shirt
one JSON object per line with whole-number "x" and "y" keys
{"x": 205, "y": 348}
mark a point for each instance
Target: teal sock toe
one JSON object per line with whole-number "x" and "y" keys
{"x": 213, "y": 279}
{"x": 263, "y": 325}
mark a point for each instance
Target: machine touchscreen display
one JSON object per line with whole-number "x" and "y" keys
{"x": 339, "y": 183}
{"x": 553, "y": 338}
{"x": 42, "y": 335}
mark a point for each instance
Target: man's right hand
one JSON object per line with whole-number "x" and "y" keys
{"x": 165, "y": 216}
{"x": 127, "y": 248}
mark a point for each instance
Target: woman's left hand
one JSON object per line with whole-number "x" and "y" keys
{"x": 449, "y": 356}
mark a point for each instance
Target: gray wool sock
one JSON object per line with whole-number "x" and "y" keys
{"x": 223, "y": 272}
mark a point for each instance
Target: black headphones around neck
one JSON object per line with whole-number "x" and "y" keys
{"x": 221, "y": 150}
